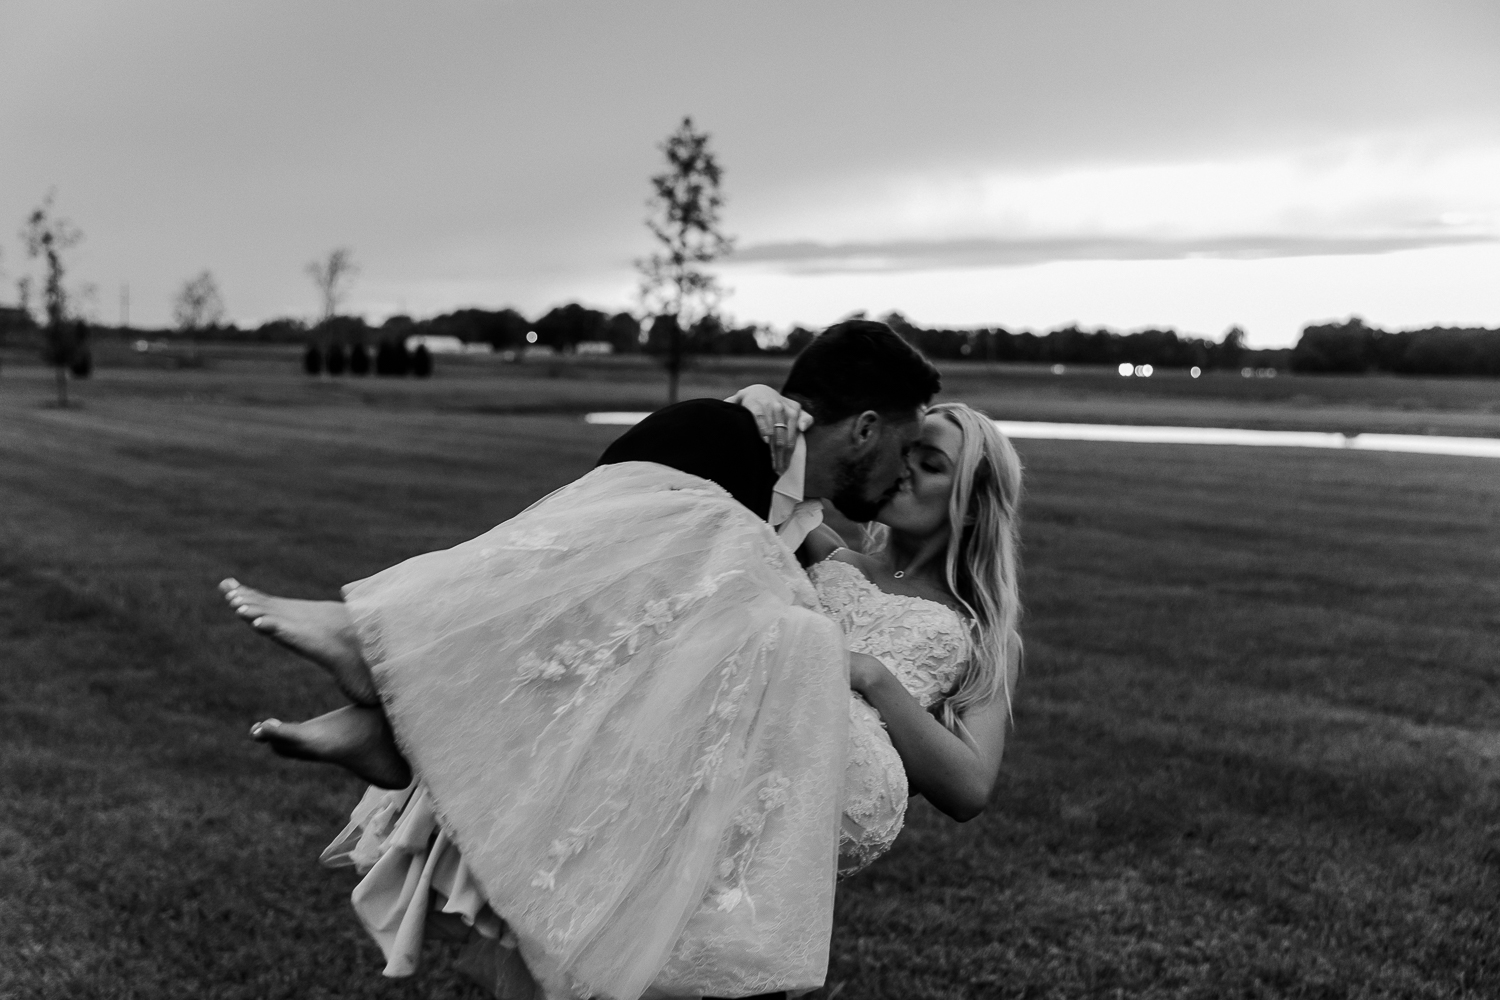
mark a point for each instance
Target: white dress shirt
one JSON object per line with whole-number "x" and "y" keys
{"x": 792, "y": 516}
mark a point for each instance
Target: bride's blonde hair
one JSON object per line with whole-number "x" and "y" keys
{"x": 982, "y": 558}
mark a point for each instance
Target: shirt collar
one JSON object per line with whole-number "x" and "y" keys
{"x": 792, "y": 515}
{"x": 788, "y": 489}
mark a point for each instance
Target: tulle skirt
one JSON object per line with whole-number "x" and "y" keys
{"x": 628, "y": 723}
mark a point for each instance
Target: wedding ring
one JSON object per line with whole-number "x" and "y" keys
{"x": 778, "y": 425}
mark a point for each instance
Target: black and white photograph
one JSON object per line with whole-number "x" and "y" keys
{"x": 582, "y": 500}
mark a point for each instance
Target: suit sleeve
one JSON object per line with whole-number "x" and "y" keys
{"x": 708, "y": 438}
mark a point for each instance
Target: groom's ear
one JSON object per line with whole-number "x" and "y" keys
{"x": 864, "y": 429}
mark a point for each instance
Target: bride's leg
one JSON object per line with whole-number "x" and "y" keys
{"x": 319, "y": 630}
{"x": 355, "y": 738}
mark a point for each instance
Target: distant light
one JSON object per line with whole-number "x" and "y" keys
{"x": 1270, "y": 373}
{"x": 1195, "y": 371}
{"x": 1144, "y": 371}
{"x": 531, "y": 337}
{"x": 1057, "y": 369}
{"x": 1126, "y": 370}
{"x": 141, "y": 345}
{"x": 1247, "y": 373}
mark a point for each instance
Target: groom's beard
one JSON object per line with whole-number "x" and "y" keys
{"x": 851, "y": 486}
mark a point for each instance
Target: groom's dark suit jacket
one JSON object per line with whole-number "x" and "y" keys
{"x": 707, "y": 438}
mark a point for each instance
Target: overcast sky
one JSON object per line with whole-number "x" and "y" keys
{"x": 1196, "y": 164}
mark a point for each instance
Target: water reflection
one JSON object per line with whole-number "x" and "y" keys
{"x": 1424, "y": 444}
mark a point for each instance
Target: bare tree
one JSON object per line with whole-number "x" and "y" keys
{"x": 684, "y": 219}
{"x": 333, "y": 277}
{"x": 198, "y": 304}
{"x": 47, "y": 236}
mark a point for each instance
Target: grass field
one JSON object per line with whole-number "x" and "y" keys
{"x": 1257, "y": 748}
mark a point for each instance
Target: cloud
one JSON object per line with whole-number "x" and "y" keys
{"x": 810, "y": 257}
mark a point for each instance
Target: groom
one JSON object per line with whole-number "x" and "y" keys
{"x": 865, "y": 388}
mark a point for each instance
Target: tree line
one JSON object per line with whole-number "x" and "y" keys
{"x": 566, "y": 328}
{"x": 563, "y": 329}
{"x": 1074, "y": 345}
{"x": 1353, "y": 346}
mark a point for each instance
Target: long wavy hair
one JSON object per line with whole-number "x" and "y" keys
{"x": 982, "y": 559}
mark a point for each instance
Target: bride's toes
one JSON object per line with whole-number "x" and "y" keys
{"x": 251, "y": 605}
{"x": 287, "y": 739}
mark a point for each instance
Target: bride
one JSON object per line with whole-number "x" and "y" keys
{"x": 676, "y": 864}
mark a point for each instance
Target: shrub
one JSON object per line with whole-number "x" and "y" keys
{"x": 359, "y": 360}
{"x": 312, "y": 360}
{"x": 391, "y": 358}
{"x": 336, "y": 359}
{"x": 83, "y": 362}
{"x": 421, "y": 361}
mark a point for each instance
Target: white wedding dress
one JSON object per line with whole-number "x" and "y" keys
{"x": 630, "y": 725}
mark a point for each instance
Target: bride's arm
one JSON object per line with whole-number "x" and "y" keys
{"x": 780, "y": 420}
{"x": 955, "y": 773}
{"x": 822, "y": 542}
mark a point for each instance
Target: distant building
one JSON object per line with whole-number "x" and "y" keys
{"x": 595, "y": 347}
{"x": 435, "y": 343}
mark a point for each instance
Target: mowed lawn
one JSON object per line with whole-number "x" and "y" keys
{"x": 1256, "y": 751}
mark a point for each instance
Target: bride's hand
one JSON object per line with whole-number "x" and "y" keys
{"x": 781, "y": 421}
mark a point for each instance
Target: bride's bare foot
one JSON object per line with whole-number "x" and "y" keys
{"x": 355, "y": 738}
{"x": 319, "y": 630}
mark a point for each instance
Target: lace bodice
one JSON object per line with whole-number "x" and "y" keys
{"x": 923, "y": 643}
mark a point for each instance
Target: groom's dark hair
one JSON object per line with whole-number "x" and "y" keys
{"x": 860, "y": 365}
